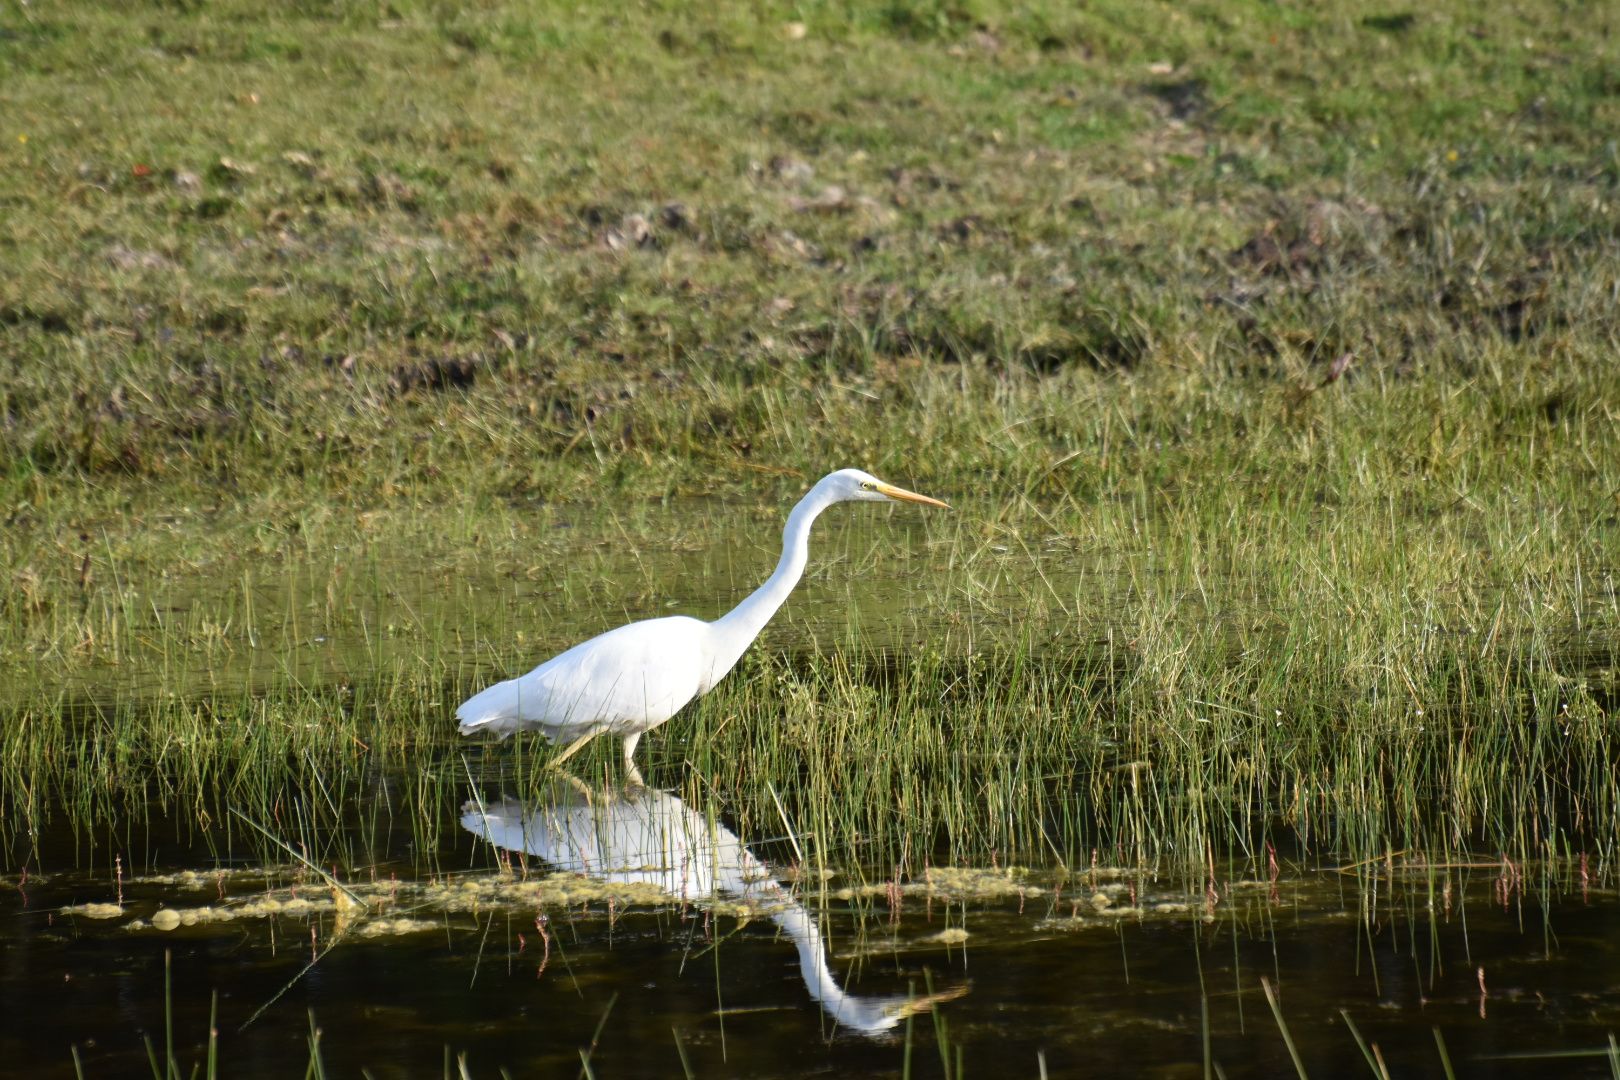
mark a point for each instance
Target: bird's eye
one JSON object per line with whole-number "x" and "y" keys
{"x": 867, "y": 485}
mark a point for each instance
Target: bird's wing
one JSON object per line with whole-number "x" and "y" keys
{"x": 624, "y": 680}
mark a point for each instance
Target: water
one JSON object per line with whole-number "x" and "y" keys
{"x": 658, "y": 925}
{"x": 646, "y": 928}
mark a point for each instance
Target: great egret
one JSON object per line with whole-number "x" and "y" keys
{"x": 651, "y": 837}
{"x": 630, "y": 680}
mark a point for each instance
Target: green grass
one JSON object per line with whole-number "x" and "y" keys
{"x": 351, "y": 353}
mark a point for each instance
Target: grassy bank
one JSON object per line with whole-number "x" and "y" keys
{"x": 353, "y": 353}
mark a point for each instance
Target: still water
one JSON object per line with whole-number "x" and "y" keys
{"x": 632, "y": 931}
{"x": 596, "y": 929}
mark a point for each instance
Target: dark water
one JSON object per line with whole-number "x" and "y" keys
{"x": 665, "y": 941}
{"x": 663, "y": 932}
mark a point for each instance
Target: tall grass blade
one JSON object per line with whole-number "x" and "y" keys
{"x": 596, "y": 1037}
{"x": 1445, "y": 1058}
{"x": 680, "y": 1050}
{"x": 317, "y": 1067}
{"x": 1372, "y": 1063}
{"x": 1282, "y": 1026}
{"x": 213, "y": 1036}
{"x": 1209, "y": 1060}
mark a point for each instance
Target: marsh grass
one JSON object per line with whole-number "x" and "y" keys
{"x": 1343, "y": 665}
{"x": 335, "y": 387}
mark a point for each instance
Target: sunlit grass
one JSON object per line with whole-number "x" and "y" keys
{"x": 1266, "y": 356}
{"x": 1296, "y": 635}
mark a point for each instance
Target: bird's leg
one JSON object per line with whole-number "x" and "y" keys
{"x": 631, "y": 773}
{"x": 573, "y": 748}
{"x": 580, "y": 786}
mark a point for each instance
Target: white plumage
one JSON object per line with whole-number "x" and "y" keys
{"x": 647, "y": 837}
{"x": 632, "y": 679}
{"x": 621, "y": 682}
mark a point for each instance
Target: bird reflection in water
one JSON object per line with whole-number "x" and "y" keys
{"x": 644, "y": 836}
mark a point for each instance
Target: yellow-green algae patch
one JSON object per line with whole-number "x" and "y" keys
{"x": 865, "y": 892}
{"x": 395, "y": 927}
{"x": 1103, "y": 908}
{"x": 976, "y": 883}
{"x": 205, "y": 879}
{"x": 553, "y": 890}
{"x": 392, "y": 907}
{"x": 950, "y": 883}
{"x": 373, "y": 909}
{"x": 1107, "y": 896}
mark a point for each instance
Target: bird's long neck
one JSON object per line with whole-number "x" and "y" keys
{"x": 869, "y": 1015}
{"x": 747, "y": 878}
{"x": 742, "y": 624}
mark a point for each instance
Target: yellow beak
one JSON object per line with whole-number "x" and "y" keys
{"x": 908, "y": 496}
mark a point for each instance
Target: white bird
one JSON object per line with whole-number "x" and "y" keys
{"x": 628, "y": 681}
{"x": 648, "y": 837}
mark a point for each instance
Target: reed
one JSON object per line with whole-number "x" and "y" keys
{"x": 1278, "y": 416}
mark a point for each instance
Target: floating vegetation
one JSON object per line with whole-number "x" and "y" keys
{"x": 969, "y": 883}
